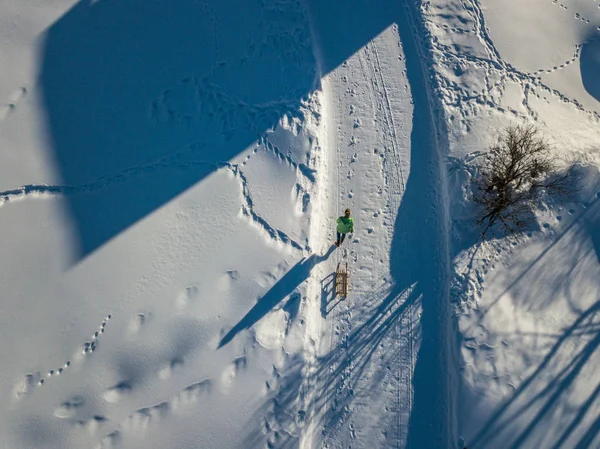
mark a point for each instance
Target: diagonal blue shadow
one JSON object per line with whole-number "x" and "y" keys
{"x": 136, "y": 89}
{"x": 589, "y": 65}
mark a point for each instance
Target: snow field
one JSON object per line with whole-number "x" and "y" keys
{"x": 171, "y": 174}
{"x": 520, "y": 302}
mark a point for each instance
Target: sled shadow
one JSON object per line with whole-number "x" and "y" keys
{"x": 328, "y": 296}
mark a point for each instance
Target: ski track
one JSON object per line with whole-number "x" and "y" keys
{"x": 394, "y": 180}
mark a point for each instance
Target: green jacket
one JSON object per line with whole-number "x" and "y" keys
{"x": 345, "y": 225}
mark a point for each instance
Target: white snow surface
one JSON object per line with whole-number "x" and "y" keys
{"x": 171, "y": 174}
{"x": 526, "y": 306}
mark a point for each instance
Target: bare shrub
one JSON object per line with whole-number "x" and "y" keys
{"x": 513, "y": 175}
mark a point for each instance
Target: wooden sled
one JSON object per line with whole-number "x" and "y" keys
{"x": 341, "y": 280}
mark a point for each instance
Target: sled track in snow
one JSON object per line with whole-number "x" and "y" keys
{"x": 396, "y": 186}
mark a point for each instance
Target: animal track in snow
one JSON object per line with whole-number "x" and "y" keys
{"x": 305, "y": 175}
{"x": 225, "y": 281}
{"x": 114, "y": 394}
{"x": 248, "y": 211}
{"x": 231, "y": 371}
{"x": 577, "y": 15}
{"x": 91, "y": 345}
{"x": 309, "y": 173}
{"x": 494, "y": 66}
{"x": 68, "y": 408}
{"x": 174, "y": 162}
{"x": 576, "y": 56}
{"x": 138, "y": 421}
{"x": 449, "y": 28}
{"x": 32, "y": 379}
{"x": 187, "y": 296}
{"x": 195, "y": 100}
{"x": 13, "y": 100}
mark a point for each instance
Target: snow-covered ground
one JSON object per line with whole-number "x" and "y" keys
{"x": 527, "y": 308}
{"x": 171, "y": 174}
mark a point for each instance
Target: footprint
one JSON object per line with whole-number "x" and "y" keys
{"x": 92, "y": 424}
{"x": 240, "y": 363}
{"x": 188, "y": 296}
{"x": 226, "y": 279}
{"x": 111, "y": 441}
{"x": 141, "y": 418}
{"x": 114, "y": 394}
{"x": 17, "y": 95}
{"x": 25, "y": 385}
{"x": 68, "y": 408}
{"x": 192, "y": 393}
{"x": 138, "y": 322}
{"x": 13, "y": 99}
{"x": 232, "y": 370}
{"x": 266, "y": 279}
{"x": 167, "y": 370}
{"x": 302, "y": 199}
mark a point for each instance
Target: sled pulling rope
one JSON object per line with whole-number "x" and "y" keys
{"x": 341, "y": 280}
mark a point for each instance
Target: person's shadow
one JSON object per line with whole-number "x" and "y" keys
{"x": 282, "y": 288}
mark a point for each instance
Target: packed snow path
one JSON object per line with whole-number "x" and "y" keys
{"x": 382, "y": 159}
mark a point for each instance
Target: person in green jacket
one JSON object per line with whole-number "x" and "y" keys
{"x": 345, "y": 224}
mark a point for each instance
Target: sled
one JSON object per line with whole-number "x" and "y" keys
{"x": 341, "y": 280}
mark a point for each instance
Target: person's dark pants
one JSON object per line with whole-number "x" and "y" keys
{"x": 340, "y": 237}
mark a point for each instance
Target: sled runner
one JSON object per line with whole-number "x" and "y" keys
{"x": 341, "y": 280}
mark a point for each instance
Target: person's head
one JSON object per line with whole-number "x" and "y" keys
{"x": 347, "y": 213}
